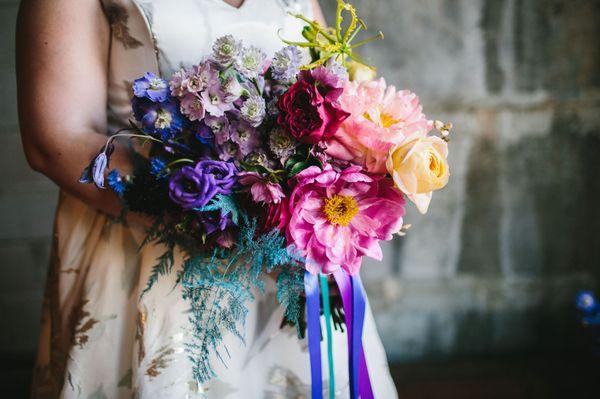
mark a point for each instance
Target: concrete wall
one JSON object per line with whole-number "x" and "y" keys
{"x": 493, "y": 266}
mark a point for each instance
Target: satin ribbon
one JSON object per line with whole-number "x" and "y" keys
{"x": 327, "y": 314}
{"x": 313, "y": 324}
{"x": 354, "y": 303}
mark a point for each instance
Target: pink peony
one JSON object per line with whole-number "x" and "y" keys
{"x": 261, "y": 189}
{"x": 339, "y": 217}
{"x": 381, "y": 117}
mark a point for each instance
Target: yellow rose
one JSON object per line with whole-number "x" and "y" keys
{"x": 419, "y": 167}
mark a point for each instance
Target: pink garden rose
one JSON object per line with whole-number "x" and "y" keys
{"x": 339, "y": 217}
{"x": 308, "y": 114}
{"x": 261, "y": 189}
{"x": 381, "y": 117}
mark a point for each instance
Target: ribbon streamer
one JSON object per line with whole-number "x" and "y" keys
{"x": 327, "y": 313}
{"x": 313, "y": 312}
{"x": 354, "y": 303}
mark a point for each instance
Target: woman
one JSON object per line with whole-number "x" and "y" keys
{"x": 76, "y": 62}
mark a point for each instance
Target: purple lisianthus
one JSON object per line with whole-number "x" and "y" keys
{"x": 286, "y": 63}
{"x": 163, "y": 118}
{"x": 151, "y": 87}
{"x": 194, "y": 187}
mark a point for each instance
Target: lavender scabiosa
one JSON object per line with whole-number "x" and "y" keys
{"x": 286, "y": 63}
{"x": 251, "y": 61}
{"x": 245, "y": 136}
{"x": 193, "y": 187}
{"x": 282, "y": 144}
{"x": 253, "y": 110}
{"x": 151, "y": 87}
{"x": 225, "y": 50}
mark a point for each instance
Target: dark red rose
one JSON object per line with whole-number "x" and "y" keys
{"x": 307, "y": 115}
{"x": 278, "y": 215}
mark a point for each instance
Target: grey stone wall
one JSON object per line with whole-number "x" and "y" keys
{"x": 493, "y": 266}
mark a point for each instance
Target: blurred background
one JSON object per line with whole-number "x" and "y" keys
{"x": 478, "y": 299}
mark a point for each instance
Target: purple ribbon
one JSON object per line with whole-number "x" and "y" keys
{"x": 354, "y": 302}
{"x": 313, "y": 311}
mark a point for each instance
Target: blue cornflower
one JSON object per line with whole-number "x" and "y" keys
{"x": 286, "y": 63}
{"x": 158, "y": 168}
{"x": 151, "y": 87}
{"x": 115, "y": 182}
{"x": 162, "y": 119}
{"x": 586, "y": 302}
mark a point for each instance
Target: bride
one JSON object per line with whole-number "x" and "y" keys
{"x": 77, "y": 60}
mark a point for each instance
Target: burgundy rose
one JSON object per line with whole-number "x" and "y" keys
{"x": 307, "y": 114}
{"x": 278, "y": 215}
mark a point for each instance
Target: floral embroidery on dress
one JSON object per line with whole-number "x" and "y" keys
{"x": 117, "y": 18}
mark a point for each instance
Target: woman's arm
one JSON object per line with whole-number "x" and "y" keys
{"x": 62, "y": 57}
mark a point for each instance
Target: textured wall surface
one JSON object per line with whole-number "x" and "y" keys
{"x": 494, "y": 265}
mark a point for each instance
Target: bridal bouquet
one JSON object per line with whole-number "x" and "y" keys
{"x": 296, "y": 166}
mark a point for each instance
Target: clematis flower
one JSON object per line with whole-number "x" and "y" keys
{"x": 381, "y": 117}
{"x": 339, "y": 217}
{"x": 262, "y": 190}
{"x": 94, "y": 172}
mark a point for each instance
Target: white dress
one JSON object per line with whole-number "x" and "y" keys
{"x": 99, "y": 339}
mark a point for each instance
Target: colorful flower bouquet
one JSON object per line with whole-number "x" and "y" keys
{"x": 294, "y": 166}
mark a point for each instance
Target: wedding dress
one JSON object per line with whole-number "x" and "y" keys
{"x": 99, "y": 337}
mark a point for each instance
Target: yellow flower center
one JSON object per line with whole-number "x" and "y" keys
{"x": 436, "y": 166}
{"x": 385, "y": 120}
{"x": 340, "y": 209}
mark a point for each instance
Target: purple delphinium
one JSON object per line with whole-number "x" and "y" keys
{"x": 163, "y": 119}
{"x": 228, "y": 151}
{"x": 245, "y": 136}
{"x": 213, "y": 100}
{"x": 251, "y": 62}
{"x": 232, "y": 89}
{"x": 192, "y": 107}
{"x": 253, "y": 110}
{"x": 225, "y": 50}
{"x": 219, "y": 127}
{"x": 151, "y": 87}
{"x": 286, "y": 63}
{"x": 193, "y": 187}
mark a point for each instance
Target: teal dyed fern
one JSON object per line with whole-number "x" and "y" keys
{"x": 219, "y": 286}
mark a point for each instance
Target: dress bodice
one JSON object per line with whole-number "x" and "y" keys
{"x": 160, "y": 36}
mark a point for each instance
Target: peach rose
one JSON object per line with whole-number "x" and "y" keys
{"x": 419, "y": 166}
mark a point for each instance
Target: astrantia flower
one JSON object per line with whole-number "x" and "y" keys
{"x": 262, "y": 189}
{"x": 282, "y": 144}
{"x": 253, "y": 110}
{"x": 258, "y": 157}
{"x": 286, "y": 63}
{"x": 245, "y": 136}
{"x": 162, "y": 119}
{"x": 225, "y": 50}
{"x": 194, "y": 187}
{"x": 381, "y": 117}
{"x": 339, "y": 217}
{"x": 251, "y": 61}
{"x": 115, "y": 182}
{"x": 151, "y": 87}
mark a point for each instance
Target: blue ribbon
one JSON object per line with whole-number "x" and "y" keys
{"x": 313, "y": 310}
